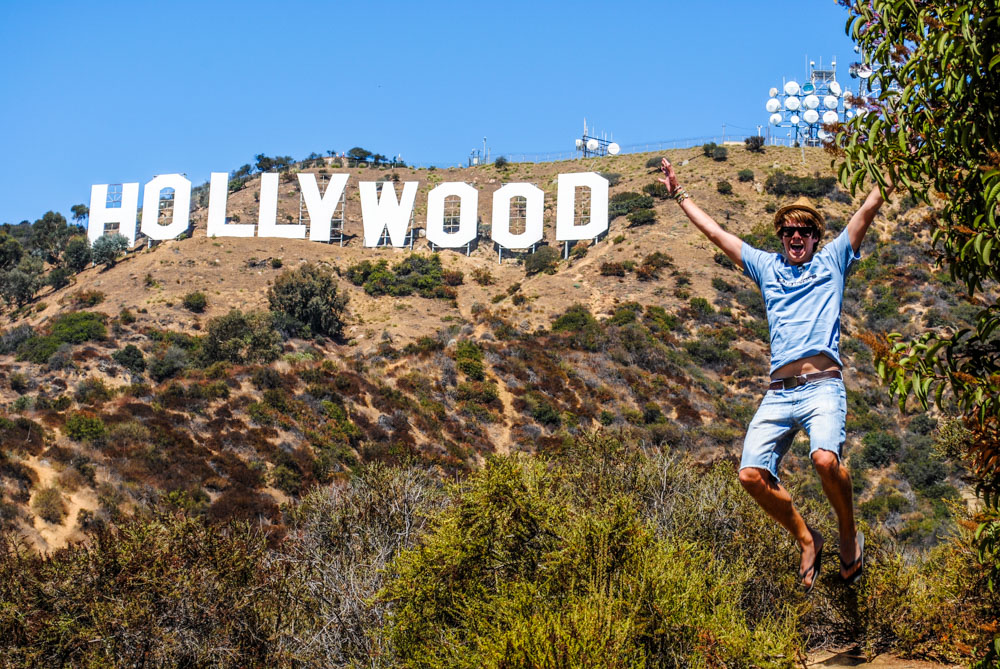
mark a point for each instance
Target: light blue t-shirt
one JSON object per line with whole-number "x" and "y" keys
{"x": 803, "y": 302}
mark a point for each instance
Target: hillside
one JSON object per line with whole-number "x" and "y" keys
{"x": 648, "y": 334}
{"x": 695, "y": 368}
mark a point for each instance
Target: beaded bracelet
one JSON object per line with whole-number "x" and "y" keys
{"x": 680, "y": 195}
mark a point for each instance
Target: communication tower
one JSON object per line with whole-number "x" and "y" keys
{"x": 811, "y": 108}
{"x": 596, "y": 146}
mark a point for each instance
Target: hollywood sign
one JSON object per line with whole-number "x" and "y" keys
{"x": 381, "y": 210}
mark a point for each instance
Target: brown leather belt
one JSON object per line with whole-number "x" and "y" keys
{"x": 796, "y": 381}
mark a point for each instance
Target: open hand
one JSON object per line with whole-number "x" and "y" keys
{"x": 670, "y": 180}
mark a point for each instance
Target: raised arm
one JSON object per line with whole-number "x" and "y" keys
{"x": 863, "y": 217}
{"x": 730, "y": 244}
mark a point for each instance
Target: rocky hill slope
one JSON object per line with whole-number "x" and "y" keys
{"x": 649, "y": 330}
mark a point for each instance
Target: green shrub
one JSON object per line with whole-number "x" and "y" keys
{"x": 172, "y": 362}
{"x": 709, "y": 149}
{"x": 501, "y": 162}
{"x": 469, "y": 359}
{"x": 724, "y": 187}
{"x": 92, "y": 390}
{"x": 544, "y": 260}
{"x": 720, "y": 153}
{"x": 701, "y": 309}
{"x": 656, "y": 189}
{"x": 85, "y": 427}
{"x": 241, "y": 337}
{"x": 621, "y": 204}
{"x": 130, "y": 358}
{"x": 414, "y": 274}
{"x": 58, "y": 278}
{"x": 527, "y": 570}
{"x": 641, "y": 217}
{"x": 71, "y": 328}
{"x": 195, "y": 302}
{"x": 780, "y": 183}
{"x": 583, "y": 329}
{"x": 106, "y": 249}
{"x": 654, "y": 163}
{"x": 309, "y": 294}
{"x": 745, "y": 175}
{"x": 880, "y": 448}
{"x": 79, "y": 326}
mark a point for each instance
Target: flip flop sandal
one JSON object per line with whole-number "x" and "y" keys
{"x": 860, "y": 561}
{"x": 813, "y": 568}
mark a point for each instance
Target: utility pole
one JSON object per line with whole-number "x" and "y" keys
{"x": 723, "y": 133}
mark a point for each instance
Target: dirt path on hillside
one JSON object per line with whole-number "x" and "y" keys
{"x": 51, "y": 536}
{"x": 853, "y": 657}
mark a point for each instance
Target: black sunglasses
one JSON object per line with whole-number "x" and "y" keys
{"x": 804, "y": 231}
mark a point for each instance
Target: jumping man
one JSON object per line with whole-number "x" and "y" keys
{"x": 803, "y": 290}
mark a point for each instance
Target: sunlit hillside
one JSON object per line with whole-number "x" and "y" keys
{"x": 178, "y": 380}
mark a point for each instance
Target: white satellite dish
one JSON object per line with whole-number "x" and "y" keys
{"x": 792, "y": 103}
{"x": 811, "y": 116}
{"x": 835, "y": 88}
{"x": 850, "y": 114}
{"x": 864, "y": 71}
{"x": 775, "y": 119}
{"x": 848, "y": 100}
{"x": 792, "y": 88}
{"x": 773, "y": 92}
{"x": 613, "y": 148}
{"x": 592, "y": 144}
{"x": 830, "y": 102}
{"x": 811, "y": 102}
{"x": 579, "y": 143}
{"x": 772, "y": 105}
{"x": 794, "y": 119}
{"x": 823, "y": 134}
{"x": 808, "y": 88}
{"x": 830, "y": 116}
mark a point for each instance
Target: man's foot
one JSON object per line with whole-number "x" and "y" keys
{"x": 850, "y": 569}
{"x": 812, "y": 555}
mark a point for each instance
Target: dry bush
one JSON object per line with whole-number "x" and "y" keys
{"x": 48, "y": 504}
{"x": 343, "y": 537}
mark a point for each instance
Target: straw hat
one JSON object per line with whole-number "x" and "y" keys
{"x": 802, "y": 204}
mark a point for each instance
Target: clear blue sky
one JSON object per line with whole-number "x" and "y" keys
{"x": 100, "y": 92}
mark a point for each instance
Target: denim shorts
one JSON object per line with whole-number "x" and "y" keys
{"x": 819, "y": 408}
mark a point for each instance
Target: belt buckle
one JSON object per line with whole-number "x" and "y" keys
{"x": 791, "y": 382}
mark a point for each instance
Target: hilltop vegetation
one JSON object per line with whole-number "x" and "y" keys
{"x": 201, "y": 387}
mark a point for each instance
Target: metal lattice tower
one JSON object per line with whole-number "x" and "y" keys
{"x": 336, "y": 220}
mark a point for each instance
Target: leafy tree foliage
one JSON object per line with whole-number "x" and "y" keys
{"x": 276, "y": 164}
{"x": 544, "y": 259}
{"x": 240, "y": 338}
{"x": 58, "y": 277}
{"x": 934, "y": 131}
{"x": 10, "y": 252}
{"x": 108, "y": 248}
{"x": 48, "y": 235}
{"x": 17, "y": 287}
{"x": 78, "y": 256}
{"x": 80, "y": 213}
{"x": 310, "y": 295}
{"x": 359, "y": 155}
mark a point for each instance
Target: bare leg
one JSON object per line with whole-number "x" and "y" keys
{"x": 777, "y": 503}
{"x": 836, "y": 482}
